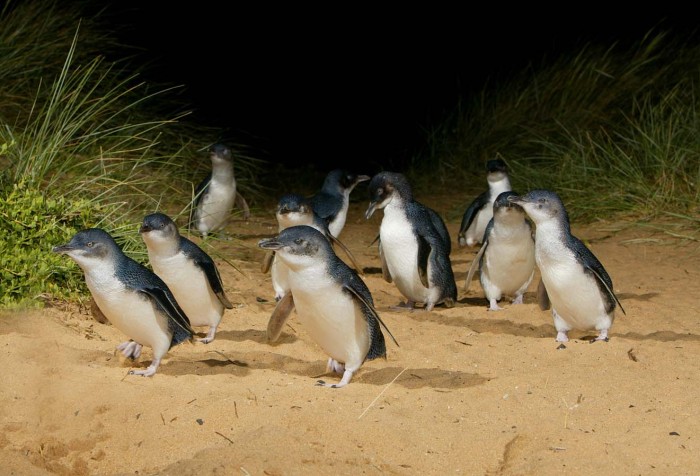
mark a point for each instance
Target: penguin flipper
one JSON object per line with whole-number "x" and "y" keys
{"x": 279, "y": 317}
{"x": 542, "y": 296}
{"x": 591, "y": 263}
{"x": 207, "y": 265}
{"x": 476, "y": 263}
{"x": 336, "y": 241}
{"x": 369, "y": 309}
{"x": 470, "y": 214}
{"x": 267, "y": 262}
{"x": 326, "y": 206}
{"x": 178, "y": 322}
{"x": 608, "y": 288}
{"x": 424, "y": 251}
{"x": 385, "y": 268}
{"x": 243, "y": 205}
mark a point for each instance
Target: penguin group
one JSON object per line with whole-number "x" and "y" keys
{"x": 159, "y": 306}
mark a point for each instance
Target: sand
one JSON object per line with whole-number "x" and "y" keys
{"x": 468, "y": 390}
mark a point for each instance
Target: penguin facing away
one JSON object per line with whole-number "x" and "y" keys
{"x": 189, "y": 272}
{"x": 480, "y": 211}
{"x": 506, "y": 259}
{"x": 216, "y": 195}
{"x": 134, "y": 299}
{"x": 573, "y": 281}
{"x": 414, "y": 246}
{"x": 292, "y": 210}
{"x": 332, "y": 302}
{"x": 332, "y": 201}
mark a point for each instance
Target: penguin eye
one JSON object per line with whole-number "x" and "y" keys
{"x": 90, "y": 244}
{"x": 299, "y": 241}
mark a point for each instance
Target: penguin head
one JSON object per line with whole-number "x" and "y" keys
{"x": 293, "y": 209}
{"x": 384, "y": 187}
{"x": 89, "y": 248}
{"x": 342, "y": 180}
{"x": 158, "y": 228}
{"x": 298, "y": 246}
{"x": 220, "y": 154}
{"x": 496, "y": 170}
{"x": 542, "y": 206}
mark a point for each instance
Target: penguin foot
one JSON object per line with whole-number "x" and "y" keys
{"x": 130, "y": 349}
{"x": 410, "y": 306}
{"x": 493, "y": 305}
{"x": 149, "y": 372}
{"x": 561, "y": 346}
{"x": 347, "y": 376}
{"x": 603, "y": 336}
{"x": 210, "y": 336}
{"x": 562, "y": 337}
{"x": 518, "y": 299}
{"x": 335, "y": 366}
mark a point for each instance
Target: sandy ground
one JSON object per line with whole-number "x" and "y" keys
{"x": 468, "y": 391}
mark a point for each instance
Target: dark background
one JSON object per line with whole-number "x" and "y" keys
{"x": 348, "y": 85}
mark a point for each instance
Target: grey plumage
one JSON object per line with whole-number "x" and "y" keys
{"x": 216, "y": 195}
{"x": 414, "y": 245}
{"x": 189, "y": 272}
{"x": 134, "y": 299}
{"x": 573, "y": 280}
{"x": 480, "y": 210}
{"x": 506, "y": 260}
{"x": 332, "y": 201}
{"x": 332, "y": 302}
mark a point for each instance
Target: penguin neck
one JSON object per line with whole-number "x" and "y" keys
{"x": 222, "y": 172}
{"x": 499, "y": 185}
{"x": 163, "y": 248}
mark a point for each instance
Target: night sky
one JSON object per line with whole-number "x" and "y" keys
{"x": 338, "y": 87}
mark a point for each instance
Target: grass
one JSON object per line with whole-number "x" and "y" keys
{"x": 612, "y": 129}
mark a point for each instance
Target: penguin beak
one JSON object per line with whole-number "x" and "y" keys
{"x": 144, "y": 229}
{"x": 362, "y": 178}
{"x": 270, "y": 244}
{"x": 62, "y": 249}
{"x": 517, "y": 200}
{"x": 370, "y": 210}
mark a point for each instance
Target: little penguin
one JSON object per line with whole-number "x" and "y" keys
{"x": 292, "y": 210}
{"x": 480, "y": 211}
{"x": 189, "y": 272}
{"x": 134, "y": 299}
{"x": 414, "y": 244}
{"x": 506, "y": 260}
{"x": 574, "y": 282}
{"x": 332, "y": 302}
{"x": 216, "y": 195}
{"x": 332, "y": 201}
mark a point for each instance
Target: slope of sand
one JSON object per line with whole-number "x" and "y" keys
{"x": 468, "y": 391}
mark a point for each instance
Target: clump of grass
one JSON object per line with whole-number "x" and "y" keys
{"x": 85, "y": 146}
{"x": 613, "y": 130}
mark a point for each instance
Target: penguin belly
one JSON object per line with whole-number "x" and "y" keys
{"x": 215, "y": 207}
{"x": 330, "y": 316}
{"x": 191, "y": 289}
{"x": 400, "y": 249}
{"x": 574, "y": 294}
{"x": 131, "y": 312}
{"x": 336, "y": 226}
{"x": 509, "y": 265}
{"x": 475, "y": 232}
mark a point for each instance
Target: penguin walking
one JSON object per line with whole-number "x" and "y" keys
{"x": 189, "y": 272}
{"x": 480, "y": 211}
{"x": 216, "y": 195}
{"x": 506, "y": 259}
{"x": 134, "y": 299}
{"x": 332, "y": 201}
{"x": 414, "y": 245}
{"x": 333, "y": 303}
{"x": 292, "y": 210}
{"x": 574, "y": 282}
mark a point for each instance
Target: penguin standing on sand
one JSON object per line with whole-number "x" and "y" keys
{"x": 480, "y": 211}
{"x": 332, "y": 201}
{"x": 134, "y": 299}
{"x": 506, "y": 260}
{"x": 574, "y": 282}
{"x": 333, "y": 303}
{"x": 216, "y": 195}
{"x": 414, "y": 246}
{"x": 293, "y": 210}
{"x": 189, "y": 272}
